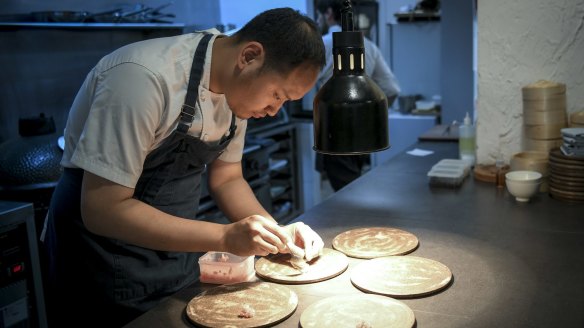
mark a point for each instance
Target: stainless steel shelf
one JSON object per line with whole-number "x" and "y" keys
{"x": 95, "y": 25}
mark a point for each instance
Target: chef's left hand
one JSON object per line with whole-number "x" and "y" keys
{"x": 306, "y": 238}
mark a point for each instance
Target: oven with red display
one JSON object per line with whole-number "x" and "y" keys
{"x": 21, "y": 293}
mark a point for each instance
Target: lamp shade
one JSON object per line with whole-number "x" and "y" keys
{"x": 350, "y": 110}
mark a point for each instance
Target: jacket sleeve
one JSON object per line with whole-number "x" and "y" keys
{"x": 382, "y": 74}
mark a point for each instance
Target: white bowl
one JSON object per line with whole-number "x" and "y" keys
{"x": 523, "y": 184}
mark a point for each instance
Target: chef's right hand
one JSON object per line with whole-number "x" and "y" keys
{"x": 255, "y": 235}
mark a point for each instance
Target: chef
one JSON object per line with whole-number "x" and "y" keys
{"x": 151, "y": 117}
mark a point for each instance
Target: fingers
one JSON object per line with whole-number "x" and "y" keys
{"x": 264, "y": 248}
{"x": 275, "y": 235}
{"x": 317, "y": 247}
{"x": 312, "y": 242}
{"x": 295, "y": 250}
{"x": 268, "y": 236}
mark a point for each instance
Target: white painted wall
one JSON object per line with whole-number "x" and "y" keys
{"x": 520, "y": 42}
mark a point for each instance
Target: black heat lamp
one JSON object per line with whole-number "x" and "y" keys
{"x": 350, "y": 110}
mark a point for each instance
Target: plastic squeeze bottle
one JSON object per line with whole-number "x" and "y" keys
{"x": 466, "y": 141}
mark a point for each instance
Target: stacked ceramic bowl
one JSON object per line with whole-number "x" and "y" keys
{"x": 566, "y": 179}
{"x": 544, "y": 115}
{"x": 573, "y": 142}
{"x": 523, "y": 184}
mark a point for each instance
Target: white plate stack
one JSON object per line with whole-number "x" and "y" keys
{"x": 544, "y": 115}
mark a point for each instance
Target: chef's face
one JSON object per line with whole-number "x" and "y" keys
{"x": 258, "y": 93}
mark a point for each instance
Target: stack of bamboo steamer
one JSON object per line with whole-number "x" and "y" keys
{"x": 544, "y": 115}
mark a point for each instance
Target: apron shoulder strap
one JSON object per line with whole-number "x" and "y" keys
{"x": 188, "y": 109}
{"x": 232, "y": 129}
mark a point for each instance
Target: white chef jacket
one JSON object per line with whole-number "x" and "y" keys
{"x": 131, "y": 101}
{"x": 375, "y": 65}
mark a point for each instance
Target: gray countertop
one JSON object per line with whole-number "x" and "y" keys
{"x": 514, "y": 264}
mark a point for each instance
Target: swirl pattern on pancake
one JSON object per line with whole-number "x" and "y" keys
{"x": 222, "y": 306}
{"x": 372, "y": 242}
{"x": 277, "y": 268}
{"x": 358, "y": 310}
{"x": 401, "y": 276}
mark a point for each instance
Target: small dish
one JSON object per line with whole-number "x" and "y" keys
{"x": 523, "y": 184}
{"x": 425, "y": 105}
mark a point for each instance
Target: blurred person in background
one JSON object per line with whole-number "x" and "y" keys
{"x": 342, "y": 169}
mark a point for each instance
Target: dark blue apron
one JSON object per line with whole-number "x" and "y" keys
{"x": 107, "y": 282}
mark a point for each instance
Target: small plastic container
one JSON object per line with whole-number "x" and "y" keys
{"x": 448, "y": 173}
{"x": 225, "y": 268}
{"x": 458, "y": 164}
{"x": 445, "y": 178}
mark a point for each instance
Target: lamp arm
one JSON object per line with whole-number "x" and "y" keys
{"x": 347, "y": 16}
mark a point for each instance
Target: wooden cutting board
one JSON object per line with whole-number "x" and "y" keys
{"x": 277, "y": 268}
{"x": 368, "y": 243}
{"x": 221, "y": 306}
{"x": 401, "y": 276}
{"x": 352, "y": 310}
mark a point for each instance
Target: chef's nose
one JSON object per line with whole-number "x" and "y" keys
{"x": 272, "y": 111}
{"x": 279, "y": 104}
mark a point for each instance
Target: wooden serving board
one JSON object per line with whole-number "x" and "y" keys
{"x": 485, "y": 173}
{"x": 222, "y": 305}
{"x": 566, "y": 187}
{"x": 401, "y": 276}
{"x": 277, "y": 268}
{"x": 351, "y": 310}
{"x": 368, "y": 243}
{"x": 566, "y": 182}
{"x": 575, "y": 196}
{"x": 578, "y": 167}
{"x": 566, "y": 172}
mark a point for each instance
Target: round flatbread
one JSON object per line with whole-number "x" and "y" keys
{"x": 368, "y": 243}
{"x": 357, "y": 311}
{"x": 277, "y": 268}
{"x": 401, "y": 276}
{"x": 248, "y": 304}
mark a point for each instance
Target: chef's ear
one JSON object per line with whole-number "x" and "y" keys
{"x": 251, "y": 53}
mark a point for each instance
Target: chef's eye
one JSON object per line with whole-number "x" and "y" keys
{"x": 276, "y": 96}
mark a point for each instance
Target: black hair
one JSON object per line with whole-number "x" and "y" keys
{"x": 289, "y": 39}
{"x": 335, "y": 5}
